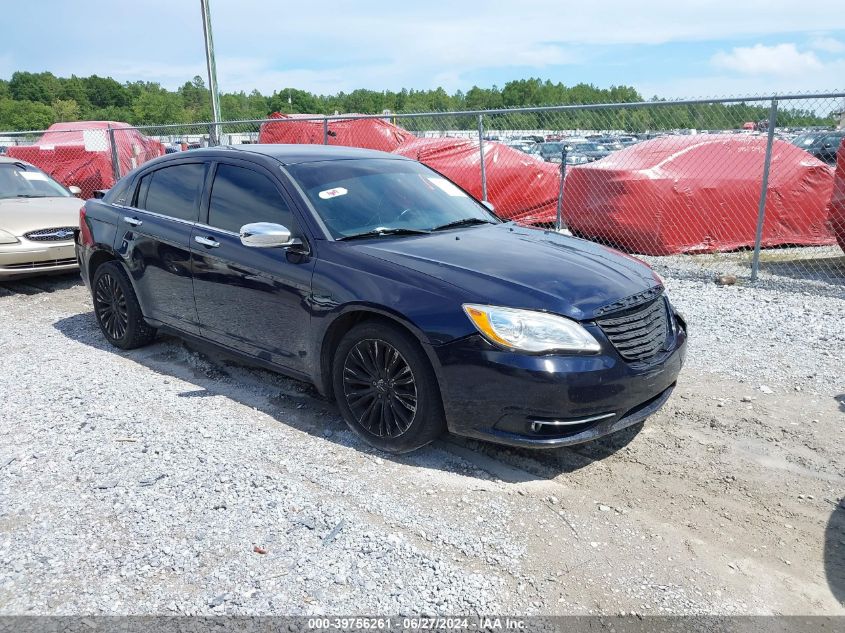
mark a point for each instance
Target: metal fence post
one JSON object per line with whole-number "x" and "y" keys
{"x": 213, "y": 135}
{"x": 115, "y": 161}
{"x": 559, "y": 220}
{"x": 761, "y": 210}
{"x": 481, "y": 153}
{"x": 325, "y": 130}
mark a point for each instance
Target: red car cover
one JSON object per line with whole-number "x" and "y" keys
{"x": 699, "y": 194}
{"x": 521, "y": 188}
{"x": 79, "y": 153}
{"x": 365, "y": 133}
{"x": 837, "y": 201}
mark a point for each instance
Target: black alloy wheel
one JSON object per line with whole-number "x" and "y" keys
{"x": 386, "y": 388}
{"x": 116, "y": 308}
{"x": 110, "y": 306}
{"x": 380, "y": 388}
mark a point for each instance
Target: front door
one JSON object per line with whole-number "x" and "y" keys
{"x": 251, "y": 299}
{"x": 154, "y": 237}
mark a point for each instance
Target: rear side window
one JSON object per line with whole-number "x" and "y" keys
{"x": 240, "y": 196}
{"x": 173, "y": 191}
{"x": 119, "y": 193}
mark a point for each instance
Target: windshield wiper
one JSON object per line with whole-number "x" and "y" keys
{"x": 383, "y": 231}
{"x": 30, "y": 195}
{"x": 461, "y": 222}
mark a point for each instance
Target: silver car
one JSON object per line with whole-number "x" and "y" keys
{"x": 38, "y": 217}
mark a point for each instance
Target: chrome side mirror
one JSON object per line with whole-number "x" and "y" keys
{"x": 74, "y": 190}
{"x": 489, "y": 206}
{"x": 267, "y": 235}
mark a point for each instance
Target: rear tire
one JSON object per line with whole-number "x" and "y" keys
{"x": 386, "y": 389}
{"x": 117, "y": 310}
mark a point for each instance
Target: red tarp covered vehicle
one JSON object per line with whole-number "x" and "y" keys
{"x": 699, "y": 194}
{"x": 519, "y": 186}
{"x": 79, "y": 153}
{"x": 837, "y": 201}
{"x": 365, "y": 133}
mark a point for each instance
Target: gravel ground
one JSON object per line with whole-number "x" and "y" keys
{"x": 170, "y": 481}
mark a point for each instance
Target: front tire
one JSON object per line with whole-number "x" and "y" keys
{"x": 117, "y": 310}
{"x": 385, "y": 388}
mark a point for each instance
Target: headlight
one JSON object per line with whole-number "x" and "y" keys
{"x": 7, "y": 238}
{"x": 530, "y": 331}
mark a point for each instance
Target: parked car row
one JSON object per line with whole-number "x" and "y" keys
{"x": 581, "y": 150}
{"x": 578, "y": 150}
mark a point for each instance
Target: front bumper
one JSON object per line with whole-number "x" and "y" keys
{"x": 546, "y": 401}
{"x": 27, "y": 258}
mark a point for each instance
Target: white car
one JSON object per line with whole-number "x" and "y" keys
{"x": 38, "y": 217}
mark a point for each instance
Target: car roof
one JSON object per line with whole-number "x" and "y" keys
{"x": 295, "y": 154}
{"x": 9, "y": 159}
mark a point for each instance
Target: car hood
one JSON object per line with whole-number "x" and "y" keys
{"x": 22, "y": 215}
{"x": 520, "y": 267}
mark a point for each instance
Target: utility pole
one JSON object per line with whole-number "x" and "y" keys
{"x": 214, "y": 130}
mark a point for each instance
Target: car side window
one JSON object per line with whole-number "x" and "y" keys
{"x": 141, "y": 194}
{"x": 173, "y": 191}
{"x": 241, "y": 195}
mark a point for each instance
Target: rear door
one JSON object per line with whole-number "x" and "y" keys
{"x": 154, "y": 236}
{"x": 251, "y": 299}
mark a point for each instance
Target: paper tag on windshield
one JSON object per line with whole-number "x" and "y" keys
{"x": 328, "y": 194}
{"x": 33, "y": 175}
{"x": 447, "y": 187}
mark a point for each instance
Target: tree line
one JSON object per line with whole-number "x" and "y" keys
{"x": 34, "y": 101}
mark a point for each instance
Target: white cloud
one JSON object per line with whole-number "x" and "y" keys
{"x": 827, "y": 44}
{"x": 829, "y": 78}
{"x": 380, "y": 44}
{"x": 780, "y": 59}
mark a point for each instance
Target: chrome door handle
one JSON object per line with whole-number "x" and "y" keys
{"x": 132, "y": 221}
{"x": 206, "y": 241}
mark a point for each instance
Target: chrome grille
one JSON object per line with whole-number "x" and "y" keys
{"x": 59, "y": 234}
{"x": 49, "y": 263}
{"x": 640, "y": 333}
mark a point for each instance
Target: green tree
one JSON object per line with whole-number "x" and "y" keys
{"x": 25, "y": 115}
{"x": 35, "y": 99}
{"x": 66, "y": 110}
{"x": 40, "y": 87}
{"x": 74, "y": 88}
{"x": 290, "y": 100}
{"x": 157, "y": 107}
{"x": 104, "y": 92}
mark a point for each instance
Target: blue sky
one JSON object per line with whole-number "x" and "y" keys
{"x": 682, "y": 48}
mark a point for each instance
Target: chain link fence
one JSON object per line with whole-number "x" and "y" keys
{"x": 735, "y": 186}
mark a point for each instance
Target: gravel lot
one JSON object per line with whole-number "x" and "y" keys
{"x": 168, "y": 481}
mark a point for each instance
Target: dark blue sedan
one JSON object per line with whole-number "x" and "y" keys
{"x": 389, "y": 288}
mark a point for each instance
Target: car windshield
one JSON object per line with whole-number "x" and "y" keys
{"x": 805, "y": 140}
{"x": 18, "y": 180}
{"x": 385, "y": 196}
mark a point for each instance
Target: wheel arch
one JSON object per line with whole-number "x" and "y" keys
{"x": 348, "y": 319}
{"x": 97, "y": 259}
